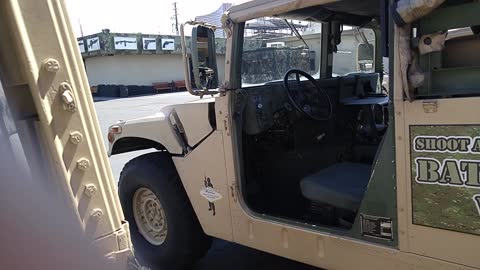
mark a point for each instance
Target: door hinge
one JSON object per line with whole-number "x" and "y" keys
{"x": 225, "y": 126}
{"x": 233, "y": 191}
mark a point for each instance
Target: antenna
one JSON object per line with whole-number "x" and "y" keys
{"x": 175, "y": 17}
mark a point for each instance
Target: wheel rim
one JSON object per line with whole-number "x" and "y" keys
{"x": 149, "y": 216}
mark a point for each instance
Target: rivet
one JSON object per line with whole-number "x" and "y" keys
{"x": 97, "y": 214}
{"x": 427, "y": 41}
{"x": 83, "y": 164}
{"x": 76, "y": 137}
{"x": 90, "y": 190}
{"x": 51, "y": 65}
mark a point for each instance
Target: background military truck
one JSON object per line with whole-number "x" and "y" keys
{"x": 327, "y": 169}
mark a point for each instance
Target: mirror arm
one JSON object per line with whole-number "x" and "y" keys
{"x": 204, "y": 24}
{"x": 362, "y": 35}
{"x": 186, "y": 65}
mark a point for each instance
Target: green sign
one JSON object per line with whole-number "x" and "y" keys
{"x": 445, "y": 165}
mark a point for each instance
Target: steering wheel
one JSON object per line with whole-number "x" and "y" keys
{"x": 313, "y": 102}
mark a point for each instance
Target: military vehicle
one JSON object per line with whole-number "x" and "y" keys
{"x": 49, "y": 134}
{"x": 326, "y": 169}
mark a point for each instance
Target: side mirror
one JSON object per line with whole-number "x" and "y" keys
{"x": 201, "y": 65}
{"x": 365, "y": 57}
{"x": 204, "y": 60}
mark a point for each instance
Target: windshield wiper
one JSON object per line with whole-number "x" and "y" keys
{"x": 362, "y": 35}
{"x": 295, "y": 31}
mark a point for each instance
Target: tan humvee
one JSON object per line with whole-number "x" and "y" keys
{"x": 316, "y": 162}
{"x": 294, "y": 155}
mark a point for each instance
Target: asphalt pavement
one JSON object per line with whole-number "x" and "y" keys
{"x": 222, "y": 255}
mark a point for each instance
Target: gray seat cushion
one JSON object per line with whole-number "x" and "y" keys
{"x": 341, "y": 185}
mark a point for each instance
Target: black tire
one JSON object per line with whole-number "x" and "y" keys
{"x": 185, "y": 242}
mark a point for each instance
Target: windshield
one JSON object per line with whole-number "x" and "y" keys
{"x": 271, "y": 48}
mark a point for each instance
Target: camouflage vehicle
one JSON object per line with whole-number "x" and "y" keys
{"x": 327, "y": 169}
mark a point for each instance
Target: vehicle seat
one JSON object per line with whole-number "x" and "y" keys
{"x": 341, "y": 185}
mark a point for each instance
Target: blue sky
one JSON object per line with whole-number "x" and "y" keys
{"x": 128, "y": 16}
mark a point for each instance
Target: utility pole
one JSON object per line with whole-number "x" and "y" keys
{"x": 175, "y": 17}
{"x": 81, "y": 28}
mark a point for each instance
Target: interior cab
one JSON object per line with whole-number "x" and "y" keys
{"x": 313, "y": 113}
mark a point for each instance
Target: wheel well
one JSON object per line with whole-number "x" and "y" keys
{"x": 129, "y": 144}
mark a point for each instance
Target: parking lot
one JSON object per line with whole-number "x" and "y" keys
{"x": 223, "y": 255}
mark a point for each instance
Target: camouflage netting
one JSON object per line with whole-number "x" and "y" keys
{"x": 104, "y": 44}
{"x": 253, "y": 44}
{"x": 269, "y": 64}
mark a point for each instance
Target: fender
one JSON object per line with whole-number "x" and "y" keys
{"x": 175, "y": 128}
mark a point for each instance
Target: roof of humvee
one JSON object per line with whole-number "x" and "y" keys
{"x": 349, "y": 11}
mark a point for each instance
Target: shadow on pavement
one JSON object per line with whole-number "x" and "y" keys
{"x": 225, "y": 255}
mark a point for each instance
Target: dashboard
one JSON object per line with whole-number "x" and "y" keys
{"x": 262, "y": 102}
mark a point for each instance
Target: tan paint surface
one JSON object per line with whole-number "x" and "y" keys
{"x": 158, "y": 128}
{"x": 195, "y": 121}
{"x": 260, "y": 8}
{"x": 155, "y": 127}
{"x": 448, "y": 245}
{"x": 206, "y": 161}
